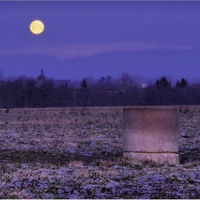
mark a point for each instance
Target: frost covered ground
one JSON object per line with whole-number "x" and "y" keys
{"x": 77, "y": 153}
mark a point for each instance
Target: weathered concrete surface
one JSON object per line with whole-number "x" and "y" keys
{"x": 151, "y": 133}
{"x": 160, "y": 158}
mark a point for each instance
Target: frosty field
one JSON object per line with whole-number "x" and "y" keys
{"x": 77, "y": 153}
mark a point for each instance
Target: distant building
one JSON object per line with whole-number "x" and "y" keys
{"x": 41, "y": 78}
{"x": 142, "y": 85}
{"x": 57, "y": 83}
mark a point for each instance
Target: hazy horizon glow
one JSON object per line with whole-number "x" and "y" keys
{"x": 87, "y": 50}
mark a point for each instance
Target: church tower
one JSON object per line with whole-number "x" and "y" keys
{"x": 41, "y": 78}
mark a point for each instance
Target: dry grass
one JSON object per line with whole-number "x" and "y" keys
{"x": 77, "y": 153}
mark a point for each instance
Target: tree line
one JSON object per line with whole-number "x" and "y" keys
{"x": 125, "y": 91}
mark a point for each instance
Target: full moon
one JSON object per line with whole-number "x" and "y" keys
{"x": 37, "y": 27}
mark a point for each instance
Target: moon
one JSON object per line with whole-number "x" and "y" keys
{"x": 36, "y": 27}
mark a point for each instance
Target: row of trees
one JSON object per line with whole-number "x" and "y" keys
{"x": 164, "y": 83}
{"x": 126, "y": 91}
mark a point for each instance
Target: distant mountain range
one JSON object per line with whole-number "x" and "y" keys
{"x": 147, "y": 64}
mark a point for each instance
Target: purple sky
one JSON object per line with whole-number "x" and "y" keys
{"x": 147, "y": 39}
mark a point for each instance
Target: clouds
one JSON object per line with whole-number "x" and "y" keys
{"x": 66, "y": 52}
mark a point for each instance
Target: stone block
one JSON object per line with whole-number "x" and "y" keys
{"x": 151, "y": 133}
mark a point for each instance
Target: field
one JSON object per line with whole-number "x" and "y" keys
{"x": 77, "y": 153}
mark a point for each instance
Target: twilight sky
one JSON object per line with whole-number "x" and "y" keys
{"x": 147, "y": 39}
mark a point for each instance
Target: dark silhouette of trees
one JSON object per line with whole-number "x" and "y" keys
{"x": 83, "y": 94}
{"x": 163, "y": 83}
{"x": 31, "y": 87}
{"x": 84, "y": 84}
{"x": 182, "y": 84}
{"x": 126, "y": 81}
{"x": 105, "y": 83}
{"x": 124, "y": 91}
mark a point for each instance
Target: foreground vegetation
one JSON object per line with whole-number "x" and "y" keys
{"x": 77, "y": 153}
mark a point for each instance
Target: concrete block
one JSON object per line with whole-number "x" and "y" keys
{"x": 151, "y": 133}
{"x": 159, "y": 158}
